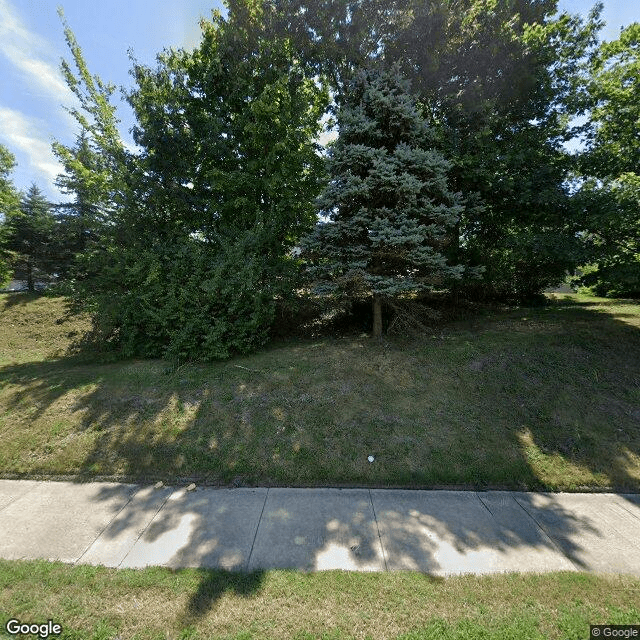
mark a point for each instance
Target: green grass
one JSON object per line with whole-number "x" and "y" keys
{"x": 540, "y": 398}
{"x": 95, "y": 603}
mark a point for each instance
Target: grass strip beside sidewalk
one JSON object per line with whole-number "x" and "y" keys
{"x": 96, "y": 603}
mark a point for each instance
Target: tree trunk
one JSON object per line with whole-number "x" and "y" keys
{"x": 30, "y": 286}
{"x": 377, "y": 317}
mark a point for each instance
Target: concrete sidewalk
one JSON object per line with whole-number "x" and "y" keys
{"x": 438, "y": 532}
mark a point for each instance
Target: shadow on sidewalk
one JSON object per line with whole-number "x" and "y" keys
{"x": 239, "y": 534}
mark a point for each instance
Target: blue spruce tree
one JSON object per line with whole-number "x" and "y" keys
{"x": 389, "y": 212}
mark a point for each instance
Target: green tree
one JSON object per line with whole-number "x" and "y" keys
{"x": 611, "y": 235}
{"x": 96, "y": 166}
{"x": 228, "y": 132}
{"x": 499, "y": 83}
{"x": 80, "y": 220}
{"x": 614, "y": 89}
{"x": 389, "y": 208}
{"x": 507, "y": 149}
{"x": 610, "y": 189}
{"x": 9, "y": 202}
{"x": 96, "y": 170}
{"x": 338, "y": 37}
{"x": 198, "y": 246}
{"x": 30, "y": 236}
{"x": 9, "y": 196}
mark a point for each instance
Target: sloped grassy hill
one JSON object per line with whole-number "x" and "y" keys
{"x": 523, "y": 398}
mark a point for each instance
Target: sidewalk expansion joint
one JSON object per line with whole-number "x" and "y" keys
{"x": 623, "y": 506}
{"x": 255, "y": 535}
{"x": 375, "y": 518}
{"x": 155, "y": 515}
{"x": 35, "y": 486}
{"x": 106, "y": 526}
{"x": 551, "y": 540}
{"x": 486, "y": 506}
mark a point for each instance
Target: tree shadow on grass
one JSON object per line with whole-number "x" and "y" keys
{"x": 559, "y": 391}
{"x": 214, "y": 584}
{"x": 561, "y": 377}
{"x": 591, "y": 416}
{"x": 563, "y": 390}
{"x": 104, "y": 415}
{"x": 22, "y": 299}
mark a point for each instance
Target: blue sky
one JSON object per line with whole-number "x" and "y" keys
{"x": 33, "y": 92}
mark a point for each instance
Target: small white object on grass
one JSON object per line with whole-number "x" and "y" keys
{"x": 370, "y": 458}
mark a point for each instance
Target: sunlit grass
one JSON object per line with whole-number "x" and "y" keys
{"x": 93, "y": 603}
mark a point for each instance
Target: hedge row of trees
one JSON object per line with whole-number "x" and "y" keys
{"x": 449, "y": 174}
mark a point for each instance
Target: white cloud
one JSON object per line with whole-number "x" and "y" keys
{"x": 31, "y": 55}
{"x": 326, "y": 137}
{"x": 131, "y": 146}
{"x": 29, "y": 136}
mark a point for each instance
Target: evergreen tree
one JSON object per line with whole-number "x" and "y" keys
{"x": 30, "y": 235}
{"x": 501, "y": 84}
{"x": 389, "y": 208}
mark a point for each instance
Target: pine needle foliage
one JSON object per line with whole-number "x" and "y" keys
{"x": 388, "y": 211}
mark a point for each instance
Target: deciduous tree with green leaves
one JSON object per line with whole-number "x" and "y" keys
{"x": 9, "y": 203}
{"x": 389, "y": 209}
{"x": 504, "y": 130}
{"x": 610, "y": 168}
{"x": 228, "y": 132}
{"x": 96, "y": 173}
{"x": 196, "y": 248}
{"x": 9, "y": 197}
{"x": 96, "y": 165}
{"x": 225, "y": 183}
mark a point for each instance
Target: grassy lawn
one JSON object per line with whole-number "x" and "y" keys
{"x": 157, "y": 604}
{"x": 526, "y": 398}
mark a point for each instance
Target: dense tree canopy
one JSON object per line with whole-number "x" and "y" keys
{"x": 195, "y": 254}
{"x": 499, "y": 83}
{"x": 506, "y": 146}
{"x": 609, "y": 197}
{"x": 186, "y": 247}
{"x": 228, "y": 133}
{"x": 614, "y": 88}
